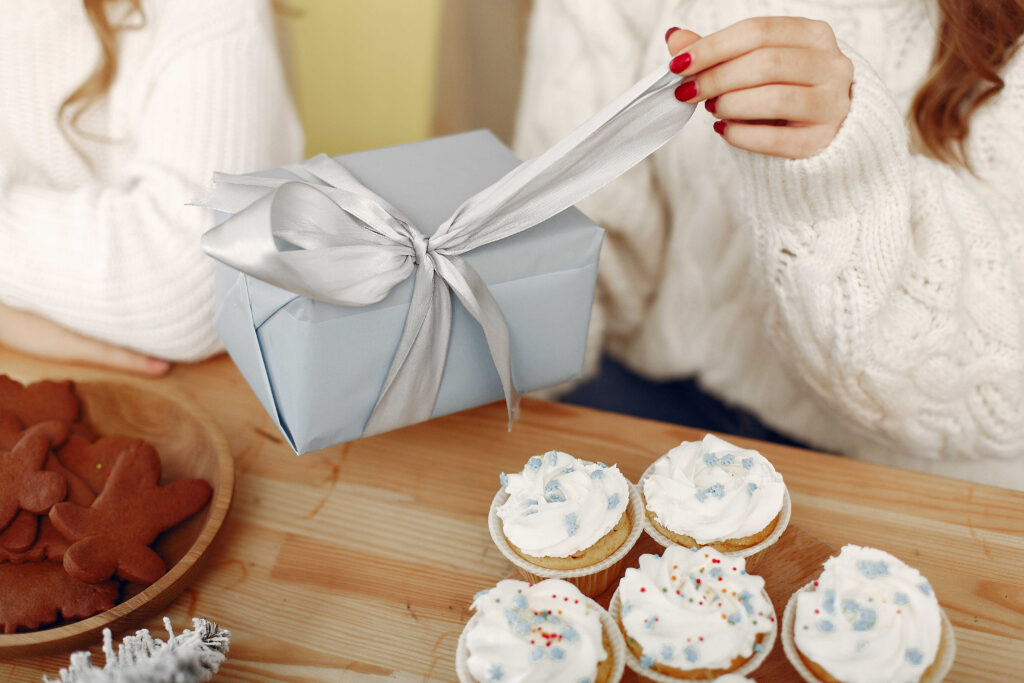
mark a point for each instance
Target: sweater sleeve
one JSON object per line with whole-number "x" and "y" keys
{"x": 581, "y": 55}
{"x": 898, "y": 280}
{"x": 120, "y": 260}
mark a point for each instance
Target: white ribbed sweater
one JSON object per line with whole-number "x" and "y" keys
{"x": 868, "y": 300}
{"x": 115, "y": 254}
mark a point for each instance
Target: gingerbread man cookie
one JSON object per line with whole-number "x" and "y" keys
{"x": 24, "y": 485}
{"x": 93, "y": 462}
{"x": 112, "y": 536}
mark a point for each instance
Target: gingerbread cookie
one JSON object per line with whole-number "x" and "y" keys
{"x": 21, "y": 533}
{"x": 24, "y": 485}
{"x": 35, "y": 593}
{"x": 40, "y": 401}
{"x": 94, "y": 462}
{"x": 113, "y": 534}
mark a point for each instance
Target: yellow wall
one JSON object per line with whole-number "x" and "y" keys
{"x": 363, "y": 71}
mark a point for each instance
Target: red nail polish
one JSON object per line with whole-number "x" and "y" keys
{"x": 720, "y": 127}
{"x": 711, "y": 105}
{"x": 669, "y": 32}
{"x": 679, "y": 63}
{"x": 687, "y": 91}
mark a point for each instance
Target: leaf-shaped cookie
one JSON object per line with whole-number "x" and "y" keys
{"x": 113, "y": 534}
{"x": 40, "y": 401}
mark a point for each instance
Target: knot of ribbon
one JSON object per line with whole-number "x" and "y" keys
{"x": 326, "y": 236}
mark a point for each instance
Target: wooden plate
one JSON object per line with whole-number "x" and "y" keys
{"x": 190, "y": 446}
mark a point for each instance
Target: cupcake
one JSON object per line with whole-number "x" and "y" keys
{"x": 868, "y": 618}
{"x": 543, "y": 632}
{"x": 712, "y": 493}
{"x": 562, "y": 517}
{"x": 694, "y": 614}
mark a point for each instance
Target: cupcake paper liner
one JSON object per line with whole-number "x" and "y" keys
{"x": 657, "y": 677}
{"x": 663, "y": 540}
{"x": 609, "y": 625}
{"x": 935, "y": 673}
{"x": 592, "y": 580}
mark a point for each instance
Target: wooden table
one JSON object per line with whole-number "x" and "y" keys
{"x": 359, "y": 562}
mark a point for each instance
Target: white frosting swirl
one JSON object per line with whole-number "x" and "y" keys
{"x": 560, "y": 505}
{"x": 694, "y": 609}
{"x": 541, "y": 632}
{"x": 713, "y": 491}
{"x": 734, "y": 678}
{"x": 870, "y": 618}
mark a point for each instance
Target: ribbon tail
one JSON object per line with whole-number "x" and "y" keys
{"x": 414, "y": 378}
{"x": 472, "y": 291}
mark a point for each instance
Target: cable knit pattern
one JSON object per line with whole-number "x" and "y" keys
{"x": 114, "y": 254}
{"x": 868, "y": 300}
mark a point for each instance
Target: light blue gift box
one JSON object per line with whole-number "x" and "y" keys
{"x": 318, "y": 368}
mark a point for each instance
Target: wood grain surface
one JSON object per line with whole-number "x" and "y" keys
{"x": 358, "y": 563}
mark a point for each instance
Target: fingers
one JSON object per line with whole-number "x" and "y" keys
{"x": 792, "y": 103}
{"x": 753, "y": 34}
{"x": 790, "y": 141}
{"x": 30, "y": 333}
{"x": 678, "y": 39}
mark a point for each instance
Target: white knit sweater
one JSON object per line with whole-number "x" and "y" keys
{"x": 868, "y": 300}
{"x": 115, "y": 254}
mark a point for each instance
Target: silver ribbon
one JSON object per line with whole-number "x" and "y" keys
{"x": 329, "y": 238}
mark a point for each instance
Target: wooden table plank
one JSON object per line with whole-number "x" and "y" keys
{"x": 359, "y": 562}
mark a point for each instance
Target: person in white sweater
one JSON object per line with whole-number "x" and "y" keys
{"x": 799, "y": 248}
{"x": 113, "y": 117}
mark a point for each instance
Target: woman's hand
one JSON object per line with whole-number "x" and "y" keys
{"x": 27, "y": 332}
{"x": 778, "y": 85}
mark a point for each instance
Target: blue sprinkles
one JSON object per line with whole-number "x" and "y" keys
{"x": 873, "y": 570}
{"x": 481, "y": 593}
{"x": 825, "y": 626}
{"x": 866, "y": 620}
{"x": 602, "y": 465}
{"x": 900, "y": 599}
{"x": 534, "y": 463}
{"x": 503, "y": 479}
{"x": 649, "y": 621}
{"x": 511, "y": 616}
{"x": 597, "y": 474}
{"x": 536, "y": 653}
{"x": 734, "y": 618}
{"x": 925, "y": 588}
{"x": 716, "y": 572}
{"x": 710, "y": 459}
{"x": 552, "y": 458}
{"x": 829, "y": 603}
{"x": 571, "y": 524}
{"x": 519, "y": 601}
{"x": 751, "y": 486}
{"x": 496, "y": 673}
{"x": 667, "y": 652}
{"x": 727, "y": 459}
{"x": 716, "y": 490}
{"x": 647, "y": 661}
{"x": 914, "y": 656}
{"x": 850, "y": 605}
{"x": 747, "y": 599}
{"x": 747, "y": 463}
{"x": 569, "y": 470}
{"x": 691, "y": 654}
{"x": 758, "y": 647}
{"x": 570, "y": 635}
{"x": 613, "y": 501}
{"x": 523, "y": 627}
{"x": 557, "y": 653}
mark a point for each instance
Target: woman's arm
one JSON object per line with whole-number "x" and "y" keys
{"x": 120, "y": 261}
{"x": 898, "y": 280}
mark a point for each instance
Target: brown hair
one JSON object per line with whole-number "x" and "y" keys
{"x": 99, "y": 81}
{"x": 976, "y": 39}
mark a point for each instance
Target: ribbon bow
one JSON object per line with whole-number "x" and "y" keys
{"x": 328, "y": 237}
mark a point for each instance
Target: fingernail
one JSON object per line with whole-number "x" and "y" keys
{"x": 711, "y": 105}
{"x": 157, "y": 366}
{"x": 669, "y": 32}
{"x": 687, "y": 91}
{"x": 679, "y": 63}
{"x": 720, "y": 127}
